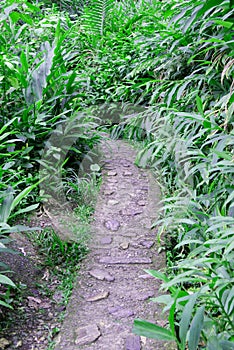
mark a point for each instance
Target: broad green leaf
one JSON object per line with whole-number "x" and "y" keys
{"x": 25, "y": 210}
{"x": 15, "y": 16}
{"x": 196, "y": 328}
{"x": 3, "y": 303}
{"x": 5, "y": 206}
{"x": 151, "y": 330}
{"x": 225, "y": 24}
{"x": 158, "y": 274}
{"x": 32, "y": 7}
{"x": 6, "y": 280}
{"x": 26, "y": 18}
{"x": 24, "y": 193}
{"x": 186, "y": 318}
{"x": 223, "y": 154}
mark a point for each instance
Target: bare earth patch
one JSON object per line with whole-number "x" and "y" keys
{"x": 36, "y": 313}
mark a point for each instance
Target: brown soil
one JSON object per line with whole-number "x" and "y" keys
{"x": 37, "y": 303}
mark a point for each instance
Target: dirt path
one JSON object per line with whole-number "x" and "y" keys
{"x": 112, "y": 288}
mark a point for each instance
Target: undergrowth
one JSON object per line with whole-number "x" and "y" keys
{"x": 171, "y": 64}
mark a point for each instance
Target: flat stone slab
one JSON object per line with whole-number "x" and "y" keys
{"x": 112, "y": 173}
{"x": 130, "y": 212}
{"x": 127, "y": 173}
{"x": 98, "y": 296}
{"x": 147, "y": 244}
{"x": 125, "y": 260}
{"x": 112, "y": 180}
{"x": 106, "y": 240}
{"x": 146, "y": 295}
{"x": 112, "y": 202}
{"x": 119, "y": 312}
{"x": 133, "y": 342}
{"x": 112, "y": 225}
{"x": 108, "y": 192}
{"x": 87, "y": 334}
{"x": 101, "y": 275}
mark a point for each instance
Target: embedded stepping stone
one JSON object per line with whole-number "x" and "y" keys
{"x": 120, "y": 312}
{"x": 108, "y": 192}
{"x": 87, "y": 334}
{"x": 106, "y": 240}
{"x": 127, "y": 173}
{"x": 133, "y": 342}
{"x": 147, "y": 244}
{"x": 98, "y": 296}
{"x": 112, "y": 173}
{"x": 101, "y": 275}
{"x": 112, "y": 225}
{"x": 112, "y": 202}
{"x": 130, "y": 212}
{"x": 146, "y": 295}
{"x": 125, "y": 163}
{"x": 124, "y": 260}
{"x": 146, "y": 277}
{"x": 112, "y": 180}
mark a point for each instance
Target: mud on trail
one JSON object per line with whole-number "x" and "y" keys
{"x": 112, "y": 288}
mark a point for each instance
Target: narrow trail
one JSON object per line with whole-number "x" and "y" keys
{"x": 112, "y": 288}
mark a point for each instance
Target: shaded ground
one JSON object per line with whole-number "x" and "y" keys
{"x": 37, "y": 309}
{"x": 113, "y": 289}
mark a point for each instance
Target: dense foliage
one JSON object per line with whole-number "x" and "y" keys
{"x": 175, "y": 60}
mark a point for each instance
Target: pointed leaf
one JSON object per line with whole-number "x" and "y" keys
{"x": 151, "y": 330}
{"x": 195, "y": 329}
{"x": 186, "y": 317}
{"x": 6, "y": 280}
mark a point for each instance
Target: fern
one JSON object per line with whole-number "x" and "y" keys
{"x": 94, "y": 16}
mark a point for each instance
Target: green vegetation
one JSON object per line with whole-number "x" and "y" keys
{"x": 173, "y": 61}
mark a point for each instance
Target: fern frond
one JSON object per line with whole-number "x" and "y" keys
{"x": 95, "y": 15}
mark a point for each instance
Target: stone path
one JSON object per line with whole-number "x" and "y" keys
{"x": 112, "y": 288}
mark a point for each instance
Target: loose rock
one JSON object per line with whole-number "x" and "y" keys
{"x": 112, "y": 225}
{"x": 87, "y": 335}
{"x": 112, "y": 173}
{"x": 106, "y": 240}
{"x": 147, "y": 244}
{"x": 112, "y": 202}
{"x": 124, "y": 245}
{"x": 98, "y": 296}
{"x": 121, "y": 312}
{"x": 133, "y": 342}
{"x": 127, "y": 173}
{"x": 146, "y": 295}
{"x": 108, "y": 192}
{"x": 101, "y": 275}
{"x": 4, "y": 343}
